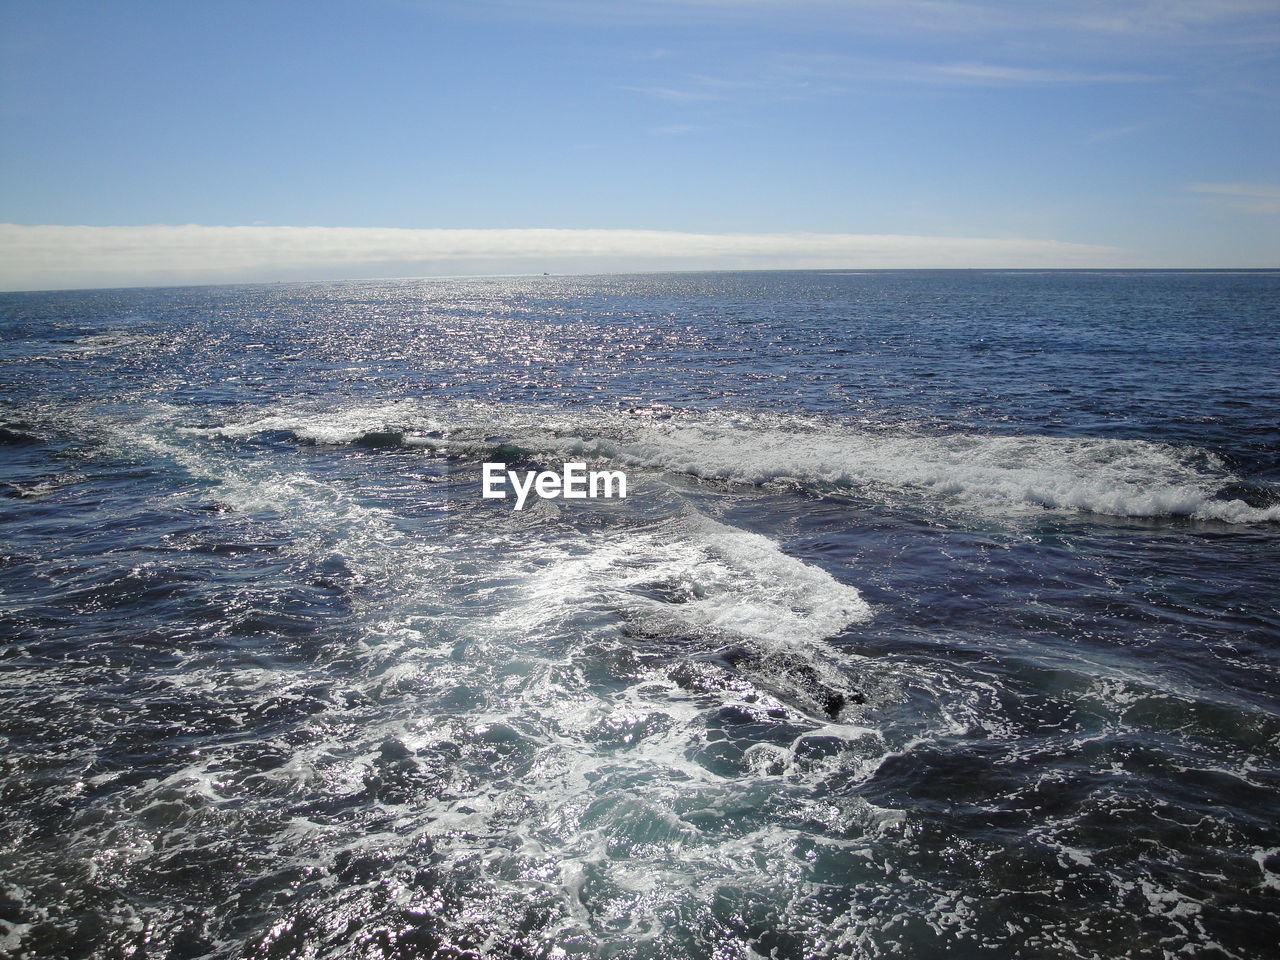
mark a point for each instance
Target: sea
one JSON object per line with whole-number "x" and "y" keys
{"x": 941, "y": 618}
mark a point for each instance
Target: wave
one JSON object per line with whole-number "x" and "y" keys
{"x": 695, "y": 575}
{"x": 984, "y": 472}
{"x": 754, "y": 617}
{"x": 747, "y": 618}
{"x": 13, "y": 436}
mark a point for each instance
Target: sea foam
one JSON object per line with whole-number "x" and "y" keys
{"x": 992, "y": 473}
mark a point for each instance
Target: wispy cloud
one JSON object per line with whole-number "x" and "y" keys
{"x": 918, "y": 14}
{"x": 678, "y": 94}
{"x": 1252, "y": 197}
{"x": 49, "y": 257}
{"x": 1166, "y": 17}
{"x": 1115, "y": 133}
{"x": 847, "y": 69}
{"x": 1003, "y": 74}
{"x": 793, "y": 76}
{"x": 1197, "y": 21}
{"x": 771, "y": 81}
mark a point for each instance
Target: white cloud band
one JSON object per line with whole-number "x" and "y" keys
{"x": 1251, "y": 197}
{"x": 53, "y": 257}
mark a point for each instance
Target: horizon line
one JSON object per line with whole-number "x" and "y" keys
{"x": 1196, "y": 268}
{"x": 56, "y": 257}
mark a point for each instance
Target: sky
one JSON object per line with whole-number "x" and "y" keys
{"x": 160, "y": 142}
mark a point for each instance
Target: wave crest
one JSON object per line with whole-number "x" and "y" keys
{"x": 985, "y": 472}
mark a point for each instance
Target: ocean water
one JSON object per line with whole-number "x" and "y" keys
{"x": 941, "y": 619}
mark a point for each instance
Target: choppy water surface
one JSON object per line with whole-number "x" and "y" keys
{"x": 941, "y": 619}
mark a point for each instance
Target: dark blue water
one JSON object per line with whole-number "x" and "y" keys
{"x": 942, "y": 618}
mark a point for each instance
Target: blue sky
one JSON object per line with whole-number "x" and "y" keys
{"x": 1119, "y": 133}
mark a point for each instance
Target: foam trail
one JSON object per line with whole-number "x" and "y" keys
{"x": 981, "y": 472}
{"x": 1125, "y": 478}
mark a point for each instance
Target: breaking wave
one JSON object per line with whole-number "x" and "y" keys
{"x": 985, "y": 472}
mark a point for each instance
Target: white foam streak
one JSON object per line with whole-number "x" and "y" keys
{"x": 1126, "y": 478}
{"x": 983, "y": 472}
